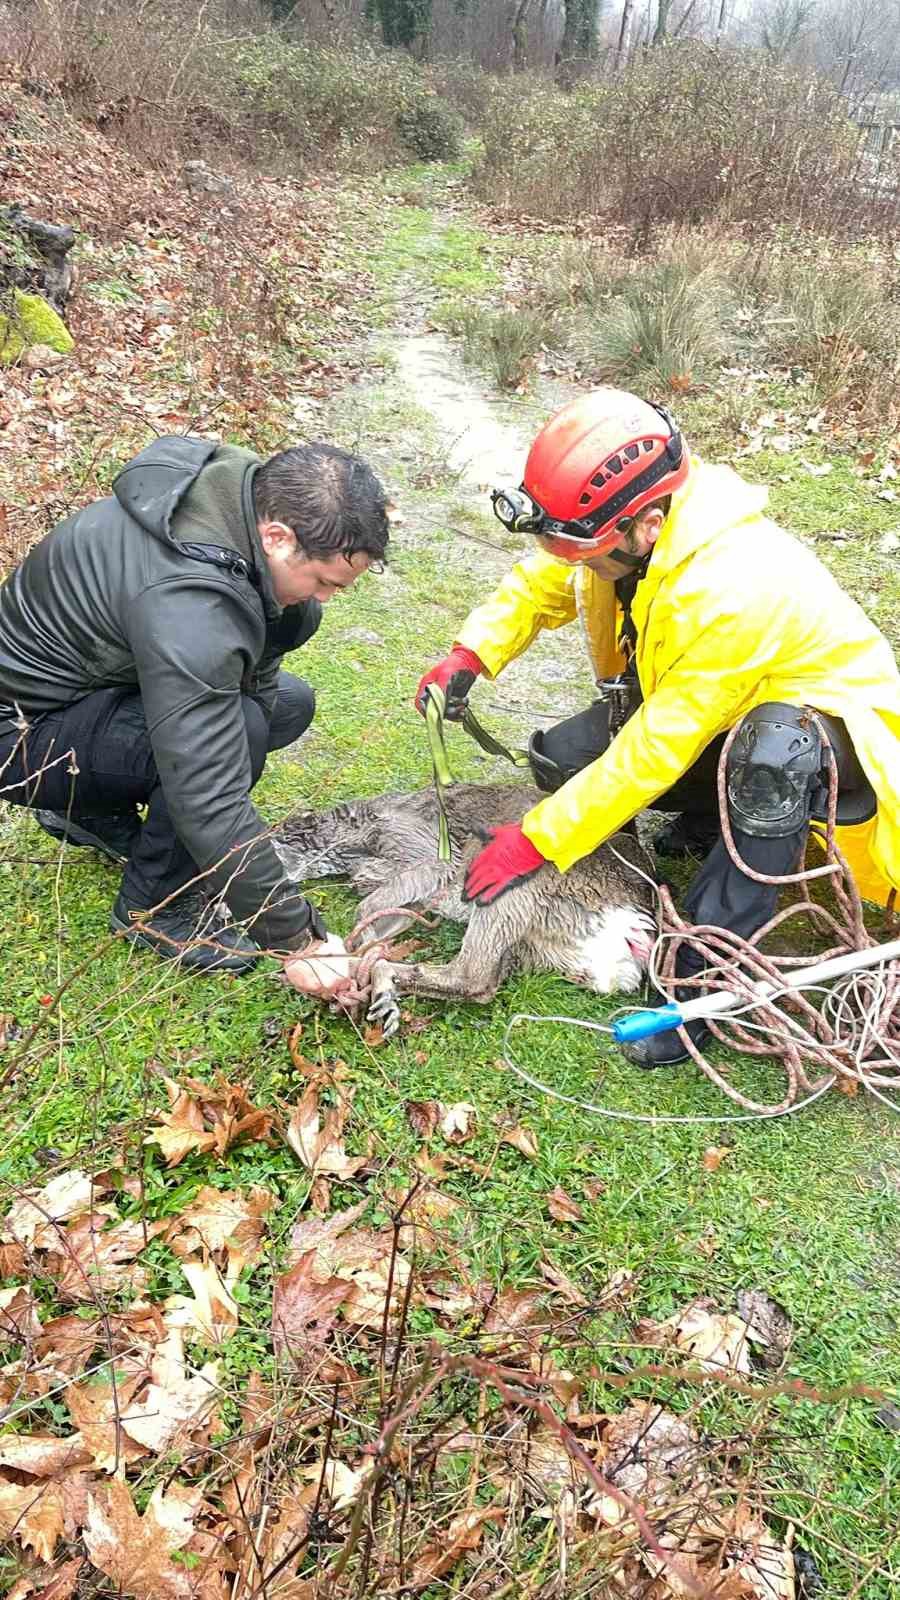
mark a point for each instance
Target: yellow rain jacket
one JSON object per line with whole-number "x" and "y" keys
{"x": 733, "y": 611}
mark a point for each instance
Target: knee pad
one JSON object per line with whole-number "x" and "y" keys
{"x": 774, "y": 770}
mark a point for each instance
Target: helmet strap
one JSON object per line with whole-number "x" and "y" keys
{"x": 624, "y": 557}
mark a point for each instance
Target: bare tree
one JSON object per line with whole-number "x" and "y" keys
{"x": 624, "y": 41}
{"x": 783, "y": 24}
{"x": 858, "y": 45}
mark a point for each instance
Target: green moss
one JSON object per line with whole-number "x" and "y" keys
{"x": 32, "y": 321}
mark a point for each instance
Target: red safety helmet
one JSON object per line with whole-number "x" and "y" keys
{"x": 594, "y": 466}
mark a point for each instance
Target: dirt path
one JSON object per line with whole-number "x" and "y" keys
{"x": 442, "y": 437}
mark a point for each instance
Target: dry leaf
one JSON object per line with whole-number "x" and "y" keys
{"x": 465, "y": 1532}
{"x": 174, "y": 1404}
{"x": 512, "y": 1310}
{"x": 136, "y": 1552}
{"x": 715, "y": 1154}
{"x": 319, "y": 1196}
{"x": 66, "y": 1342}
{"x": 43, "y": 1455}
{"x": 342, "y": 1483}
{"x": 32, "y": 1514}
{"x": 206, "y": 1118}
{"x": 562, "y": 1207}
{"x": 457, "y": 1122}
{"x": 97, "y": 1406}
{"x": 711, "y": 1339}
{"x": 223, "y": 1221}
{"x": 19, "y": 1321}
{"x": 92, "y": 1259}
{"x": 593, "y": 1188}
{"x": 212, "y": 1313}
{"x": 62, "y": 1585}
{"x": 523, "y": 1140}
{"x": 314, "y": 1233}
{"x": 319, "y": 1143}
{"x": 563, "y": 1285}
{"x": 30, "y": 1219}
{"x": 423, "y": 1116}
{"x": 303, "y": 1310}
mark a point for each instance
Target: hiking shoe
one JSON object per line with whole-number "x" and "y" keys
{"x": 113, "y": 836}
{"x": 187, "y": 931}
{"x": 689, "y": 834}
{"x": 665, "y": 1049}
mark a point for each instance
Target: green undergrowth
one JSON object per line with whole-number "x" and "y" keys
{"x": 805, "y": 1208}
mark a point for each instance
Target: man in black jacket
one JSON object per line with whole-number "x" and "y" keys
{"x": 140, "y": 650}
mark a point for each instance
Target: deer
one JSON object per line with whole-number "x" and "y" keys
{"x": 593, "y": 925}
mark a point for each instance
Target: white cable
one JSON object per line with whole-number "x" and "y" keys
{"x": 633, "y": 1116}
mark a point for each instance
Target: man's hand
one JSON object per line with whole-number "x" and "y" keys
{"x": 322, "y": 969}
{"x": 507, "y": 860}
{"x": 455, "y": 675}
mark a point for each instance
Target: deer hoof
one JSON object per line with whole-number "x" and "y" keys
{"x": 384, "y": 1012}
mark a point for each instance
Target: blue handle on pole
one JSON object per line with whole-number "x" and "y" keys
{"x": 642, "y": 1023}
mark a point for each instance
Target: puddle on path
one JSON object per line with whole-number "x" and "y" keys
{"x": 482, "y": 450}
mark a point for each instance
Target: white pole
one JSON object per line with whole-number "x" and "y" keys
{"x": 712, "y": 1005}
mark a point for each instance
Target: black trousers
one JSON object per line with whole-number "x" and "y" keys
{"x": 720, "y": 894}
{"x": 111, "y": 771}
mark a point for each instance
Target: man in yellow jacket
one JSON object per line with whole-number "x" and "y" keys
{"x": 699, "y": 613}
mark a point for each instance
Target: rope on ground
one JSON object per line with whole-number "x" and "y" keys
{"x": 851, "y": 1039}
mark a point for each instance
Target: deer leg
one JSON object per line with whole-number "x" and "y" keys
{"x": 487, "y": 956}
{"x": 382, "y": 910}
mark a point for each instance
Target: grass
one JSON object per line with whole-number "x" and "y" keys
{"x": 806, "y": 1209}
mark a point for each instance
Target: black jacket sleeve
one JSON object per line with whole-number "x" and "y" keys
{"x": 195, "y": 646}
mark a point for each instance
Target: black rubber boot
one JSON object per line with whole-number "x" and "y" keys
{"x": 690, "y": 834}
{"x": 112, "y": 836}
{"x": 175, "y": 933}
{"x": 665, "y": 1049}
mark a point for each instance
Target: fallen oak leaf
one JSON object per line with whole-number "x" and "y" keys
{"x": 562, "y": 1207}
{"x": 521, "y": 1139}
{"x": 423, "y": 1116}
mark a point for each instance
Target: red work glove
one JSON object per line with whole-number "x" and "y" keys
{"x": 508, "y": 859}
{"x": 455, "y": 675}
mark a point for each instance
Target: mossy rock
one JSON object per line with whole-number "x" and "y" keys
{"x": 31, "y": 320}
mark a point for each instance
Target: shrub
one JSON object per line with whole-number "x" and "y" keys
{"x": 430, "y": 129}
{"x": 687, "y": 134}
{"x": 504, "y": 342}
{"x": 669, "y": 327}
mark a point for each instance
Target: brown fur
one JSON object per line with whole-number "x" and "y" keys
{"x": 387, "y": 847}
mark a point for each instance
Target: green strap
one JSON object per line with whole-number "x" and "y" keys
{"x": 492, "y": 746}
{"x": 435, "y": 703}
{"x": 435, "y": 713}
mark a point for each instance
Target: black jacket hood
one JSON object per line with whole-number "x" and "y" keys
{"x": 153, "y": 485}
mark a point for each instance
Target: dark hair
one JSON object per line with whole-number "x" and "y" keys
{"x": 331, "y": 499}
